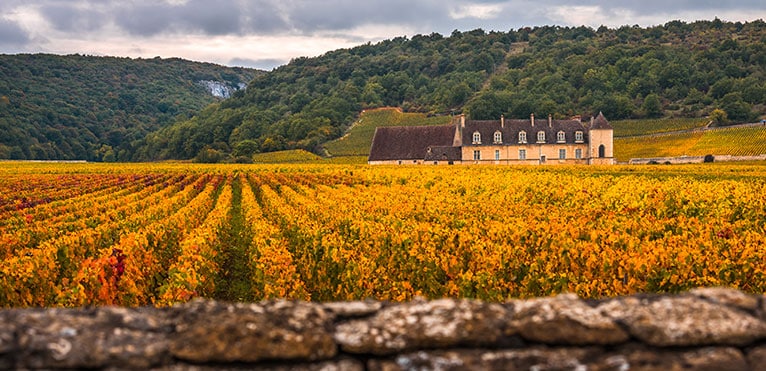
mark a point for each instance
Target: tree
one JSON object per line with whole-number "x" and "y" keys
{"x": 736, "y": 107}
{"x": 718, "y": 116}
{"x": 652, "y": 106}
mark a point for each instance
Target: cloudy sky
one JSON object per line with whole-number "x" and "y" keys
{"x": 268, "y": 33}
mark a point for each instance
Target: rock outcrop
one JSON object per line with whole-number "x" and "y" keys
{"x": 711, "y": 328}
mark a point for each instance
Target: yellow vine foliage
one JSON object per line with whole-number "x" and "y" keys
{"x": 151, "y": 234}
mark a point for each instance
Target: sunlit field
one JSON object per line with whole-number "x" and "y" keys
{"x": 158, "y": 234}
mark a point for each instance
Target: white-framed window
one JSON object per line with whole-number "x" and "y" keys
{"x": 578, "y": 137}
{"x": 522, "y": 137}
{"x": 477, "y": 155}
{"x": 497, "y": 154}
{"x": 522, "y": 154}
{"x": 540, "y": 137}
{"x": 498, "y": 138}
{"x": 476, "y": 137}
{"x": 578, "y": 153}
{"x": 562, "y": 154}
{"x": 561, "y": 137}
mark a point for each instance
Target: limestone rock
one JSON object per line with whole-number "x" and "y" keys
{"x": 7, "y": 341}
{"x": 214, "y": 332}
{"x": 684, "y": 321}
{"x": 756, "y": 357}
{"x": 351, "y": 309}
{"x": 92, "y": 338}
{"x": 566, "y": 358}
{"x": 535, "y": 358}
{"x": 640, "y": 357}
{"x": 420, "y": 324}
{"x": 729, "y": 297}
{"x": 345, "y": 364}
{"x": 564, "y": 319}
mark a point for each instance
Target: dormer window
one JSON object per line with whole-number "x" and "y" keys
{"x": 578, "y": 137}
{"x": 476, "y": 138}
{"x": 540, "y": 137}
{"x": 561, "y": 137}
{"x": 523, "y": 137}
{"x": 498, "y": 137}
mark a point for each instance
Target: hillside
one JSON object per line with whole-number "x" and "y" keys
{"x": 672, "y": 70}
{"x": 357, "y": 140}
{"x": 99, "y": 108}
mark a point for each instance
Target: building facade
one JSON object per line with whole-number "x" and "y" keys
{"x": 507, "y": 142}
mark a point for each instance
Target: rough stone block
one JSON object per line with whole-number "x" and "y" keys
{"x": 684, "y": 321}
{"x": 564, "y": 319}
{"x": 420, "y": 324}
{"x": 207, "y": 331}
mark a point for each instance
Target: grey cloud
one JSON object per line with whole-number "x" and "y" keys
{"x": 66, "y": 18}
{"x": 209, "y": 17}
{"x": 311, "y": 16}
{"x": 11, "y": 34}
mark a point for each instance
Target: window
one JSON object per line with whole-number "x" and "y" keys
{"x": 540, "y": 137}
{"x": 578, "y": 137}
{"x": 498, "y": 137}
{"x": 497, "y": 154}
{"x": 522, "y": 154}
{"x": 561, "y": 137}
{"x": 601, "y": 151}
{"x": 562, "y": 154}
{"x": 476, "y": 138}
{"x": 542, "y": 159}
{"x": 477, "y": 155}
{"x": 578, "y": 153}
{"x": 523, "y": 137}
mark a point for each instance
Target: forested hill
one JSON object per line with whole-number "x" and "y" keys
{"x": 676, "y": 69}
{"x": 99, "y": 108}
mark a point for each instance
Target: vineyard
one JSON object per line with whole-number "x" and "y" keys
{"x": 157, "y": 234}
{"x": 746, "y": 141}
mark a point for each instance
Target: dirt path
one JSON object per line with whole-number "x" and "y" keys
{"x": 235, "y": 282}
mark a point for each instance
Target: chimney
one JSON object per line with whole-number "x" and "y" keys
{"x": 550, "y": 121}
{"x": 502, "y": 121}
{"x": 532, "y": 119}
{"x": 591, "y": 121}
{"x": 462, "y": 121}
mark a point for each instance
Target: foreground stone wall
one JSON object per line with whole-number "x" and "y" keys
{"x": 716, "y": 329}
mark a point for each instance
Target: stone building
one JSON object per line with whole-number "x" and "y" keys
{"x": 505, "y": 141}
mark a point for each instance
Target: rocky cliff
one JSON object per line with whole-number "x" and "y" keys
{"x": 703, "y": 329}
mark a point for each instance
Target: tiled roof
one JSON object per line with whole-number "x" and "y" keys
{"x": 600, "y": 123}
{"x": 511, "y": 128}
{"x": 409, "y": 142}
{"x": 443, "y": 153}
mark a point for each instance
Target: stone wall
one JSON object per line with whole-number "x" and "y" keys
{"x": 702, "y": 329}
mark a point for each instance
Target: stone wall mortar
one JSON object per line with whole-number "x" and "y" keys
{"x": 706, "y": 328}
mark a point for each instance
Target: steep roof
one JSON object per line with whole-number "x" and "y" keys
{"x": 510, "y": 130}
{"x": 409, "y": 142}
{"x": 600, "y": 123}
{"x": 443, "y": 153}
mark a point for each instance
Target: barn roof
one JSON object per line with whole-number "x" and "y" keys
{"x": 409, "y": 142}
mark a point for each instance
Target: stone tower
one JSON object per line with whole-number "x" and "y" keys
{"x": 600, "y": 141}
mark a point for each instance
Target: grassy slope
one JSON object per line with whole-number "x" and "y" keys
{"x": 627, "y": 128}
{"x": 358, "y": 139}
